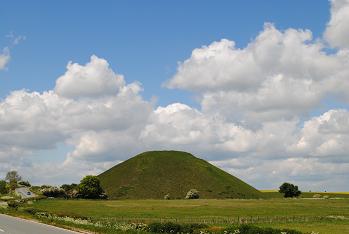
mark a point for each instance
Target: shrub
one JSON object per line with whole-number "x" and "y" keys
{"x": 3, "y": 187}
{"x": 31, "y": 210}
{"x": 174, "y": 227}
{"x": 53, "y": 192}
{"x": 71, "y": 190}
{"x": 24, "y": 183}
{"x": 13, "y": 204}
{"x": 250, "y": 229}
{"x": 192, "y": 194}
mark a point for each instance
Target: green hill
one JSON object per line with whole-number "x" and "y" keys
{"x": 156, "y": 173}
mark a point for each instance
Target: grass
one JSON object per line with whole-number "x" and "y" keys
{"x": 152, "y": 175}
{"x": 301, "y": 214}
{"x": 276, "y": 194}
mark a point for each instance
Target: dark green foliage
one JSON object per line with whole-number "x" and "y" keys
{"x": 289, "y": 190}
{"x": 90, "y": 187}
{"x": 31, "y": 210}
{"x": 69, "y": 187}
{"x": 152, "y": 174}
{"x": 3, "y": 187}
{"x": 250, "y": 229}
{"x": 24, "y": 183}
{"x": 13, "y": 204}
{"x": 174, "y": 227}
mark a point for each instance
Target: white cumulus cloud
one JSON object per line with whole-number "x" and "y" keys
{"x": 4, "y": 58}
{"x": 94, "y": 79}
{"x": 337, "y": 31}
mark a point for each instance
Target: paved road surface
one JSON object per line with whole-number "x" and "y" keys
{"x": 23, "y": 192}
{"x": 12, "y": 225}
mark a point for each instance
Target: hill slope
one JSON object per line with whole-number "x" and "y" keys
{"x": 156, "y": 173}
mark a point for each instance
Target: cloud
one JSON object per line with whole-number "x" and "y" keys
{"x": 326, "y": 136}
{"x": 95, "y": 79}
{"x": 276, "y": 76}
{"x": 308, "y": 173}
{"x": 5, "y": 55}
{"x": 4, "y": 58}
{"x": 181, "y": 127}
{"x": 337, "y": 31}
{"x": 98, "y": 125}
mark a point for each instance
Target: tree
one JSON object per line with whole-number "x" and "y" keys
{"x": 24, "y": 183}
{"x": 71, "y": 190}
{"x": 192, "y": 194}
{"x": 289, "y": 190}
{"x": 13, "y": 177}
{"x": 3, "y": 187}
{"x": 90, "y": 187}
{"x": 69, "y": 187}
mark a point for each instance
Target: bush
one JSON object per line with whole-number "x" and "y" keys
{"x": 192, "y": 194}
{"x": 31, "y": 210}
{"x": 53, "y": 192}
{"x": 13, "y": 204}
{"x": 3, "y": 187}
{"x": 174, "y": 227}
{"x": 71, "y": 190}
{"x": 250, "y": 229}
{"x": 24, "y": 183}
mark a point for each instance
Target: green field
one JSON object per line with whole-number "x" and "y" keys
{"x": 276, "y": 194}
{"x": 319, "y": 215}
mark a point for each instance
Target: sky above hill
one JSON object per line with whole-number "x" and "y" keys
{"x": 259, "y": 88}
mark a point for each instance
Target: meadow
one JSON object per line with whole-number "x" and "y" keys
{"x": 307, "y": 215}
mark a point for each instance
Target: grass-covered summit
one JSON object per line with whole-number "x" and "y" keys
{"x": 154, "y": 174}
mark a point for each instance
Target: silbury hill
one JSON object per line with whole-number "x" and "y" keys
{"x": 153, "y": 174}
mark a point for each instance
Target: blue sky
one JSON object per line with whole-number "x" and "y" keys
{"x": 274, "y": 107}
{"x": 142, "y": 40}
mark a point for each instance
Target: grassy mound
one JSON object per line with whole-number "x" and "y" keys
{"x": 152, "y": 175}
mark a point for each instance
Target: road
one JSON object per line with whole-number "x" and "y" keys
{"x": 12, "y": 225}
{"x": 23, "y": 192}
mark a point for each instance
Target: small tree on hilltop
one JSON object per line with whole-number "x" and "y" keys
{"x": 192, "y": 194}
{"x": 289, "y": 190}
{"x": 90, "y": 187}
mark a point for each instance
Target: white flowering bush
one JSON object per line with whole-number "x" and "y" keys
{"x": 53, "y": 192}
{"x": 192, "y": 194}
{"x": 91, "y": 223}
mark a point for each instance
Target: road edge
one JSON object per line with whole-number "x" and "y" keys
{"x": 65, "y": 228}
